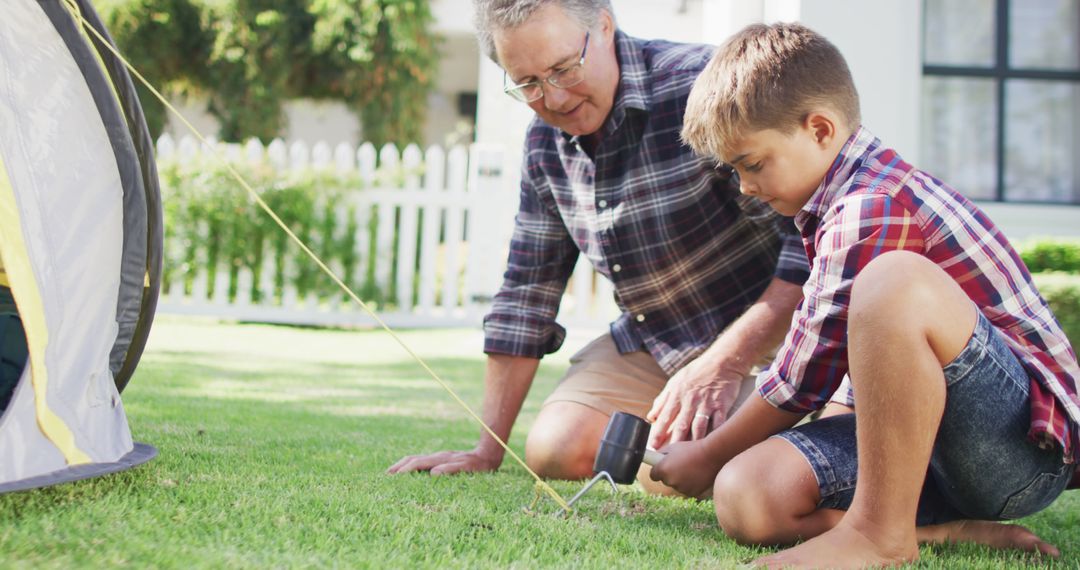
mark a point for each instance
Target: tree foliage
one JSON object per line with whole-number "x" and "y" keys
{"x": 166, "y": 41}
{"x": 247, "y": 57}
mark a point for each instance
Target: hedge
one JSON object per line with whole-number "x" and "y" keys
{"x": 1062, "y": 293}
{"x": 210, "y": 222}
{"x": 1047, "y": 255}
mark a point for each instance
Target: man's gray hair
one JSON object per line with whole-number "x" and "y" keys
{"x": 490, "y": 16}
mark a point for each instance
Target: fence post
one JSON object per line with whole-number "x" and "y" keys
{"x": 406, "y": 252}
{"x": 384, "y": 234}
{"x": 278, "y": 154}
{"x": 456, "y": 181}
{"x": 485, "y": 246}
{"x": 299, "y": 155}
{"x": 166, "y": 147}
{"x": 434, "y": 168}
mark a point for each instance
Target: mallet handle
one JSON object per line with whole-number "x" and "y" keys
{"x": 652, "y": 456}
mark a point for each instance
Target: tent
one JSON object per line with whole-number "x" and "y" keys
{"x": 80, "y": 243}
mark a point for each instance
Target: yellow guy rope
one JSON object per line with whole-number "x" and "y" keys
{"x": 540, "y": 484}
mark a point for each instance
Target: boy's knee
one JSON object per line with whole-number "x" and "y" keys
{"x": 742, "y": 500}
{"x": 762, "y": 494}
{"x": 893, "y": 283}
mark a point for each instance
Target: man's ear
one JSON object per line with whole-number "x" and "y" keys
{"x": 607, "y": 24}
{"x": 822, "y": 126}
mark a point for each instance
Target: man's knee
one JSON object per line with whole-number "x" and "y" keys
{"x": 551, "y": 456}
{"x": 562, "y": 443}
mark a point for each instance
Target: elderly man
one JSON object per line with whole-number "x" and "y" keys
{"x": 706, "y": 280}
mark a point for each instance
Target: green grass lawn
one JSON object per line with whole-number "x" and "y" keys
{"x": 273, "y": 444}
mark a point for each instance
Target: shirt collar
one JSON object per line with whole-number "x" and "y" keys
{"x": 858, "y": 146}
{"x": 633, "y": 89}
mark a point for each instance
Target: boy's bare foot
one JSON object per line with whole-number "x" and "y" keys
{"x": 842, "y": 547}
{"x": 987, "y": 533}
{"x": 846, "y": 547}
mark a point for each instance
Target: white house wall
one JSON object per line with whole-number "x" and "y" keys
{"x": 881, "y": 41}
{"x": 502, "y": 120}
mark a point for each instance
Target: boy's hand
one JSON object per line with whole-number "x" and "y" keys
{"x": 687, "y": 468}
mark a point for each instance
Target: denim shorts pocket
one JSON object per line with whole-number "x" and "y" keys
{"x": 1038, "y": 494}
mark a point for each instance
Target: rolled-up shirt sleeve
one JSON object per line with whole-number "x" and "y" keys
{"x": 813, "y": 360}
{"x": 542, "y": 258}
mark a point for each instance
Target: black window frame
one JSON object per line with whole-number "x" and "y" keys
{"x": 1000, "y": 73}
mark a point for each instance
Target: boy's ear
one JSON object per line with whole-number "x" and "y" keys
{"x": 822, "y": 127}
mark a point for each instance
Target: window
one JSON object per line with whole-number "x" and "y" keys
{"x": 1001, "y": 98}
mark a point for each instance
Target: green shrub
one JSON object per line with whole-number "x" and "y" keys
{"x": 1062, "y": 292}
{"x": 1043, "y": 255}
{"x": 212, "y": 222}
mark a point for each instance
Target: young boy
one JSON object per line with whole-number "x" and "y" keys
{"x": 918, "y": 313}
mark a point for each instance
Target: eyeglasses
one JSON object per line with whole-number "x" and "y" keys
{"x": 563, "y": 79}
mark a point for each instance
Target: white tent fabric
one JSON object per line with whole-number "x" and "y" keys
{"x": 65, "y": 215}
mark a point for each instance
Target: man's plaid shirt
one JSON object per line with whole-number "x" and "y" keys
{"x": 862, "y": 209}
{"x": 686, "y": 253}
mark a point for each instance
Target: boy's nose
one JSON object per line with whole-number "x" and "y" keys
{"x": 747, "y": 189}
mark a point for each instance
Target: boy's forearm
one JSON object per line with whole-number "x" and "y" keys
{"x": 754, "y": 422}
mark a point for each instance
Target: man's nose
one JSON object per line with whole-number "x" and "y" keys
{"x": 555, "y": 98}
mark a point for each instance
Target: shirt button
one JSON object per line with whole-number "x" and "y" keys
{"x": 616, "y": 268}
{"x": 641, "y": 318}
{"x": 602, "y": 203}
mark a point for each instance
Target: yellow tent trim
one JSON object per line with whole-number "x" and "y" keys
{"x": 27, "y": 296}
{"x": 77, "y": 17}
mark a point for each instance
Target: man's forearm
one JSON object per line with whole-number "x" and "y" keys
{"x": 506, "y": 383}
{"x": 761, "y": 328}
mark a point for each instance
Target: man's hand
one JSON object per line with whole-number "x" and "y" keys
{"x": 688, "y": 468}
{"x": 506, "y": 382}
{"x": 695, "y": 400}
{"x": 447, "y": 462}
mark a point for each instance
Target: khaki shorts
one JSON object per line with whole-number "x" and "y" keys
{"x": 605, "y": 380}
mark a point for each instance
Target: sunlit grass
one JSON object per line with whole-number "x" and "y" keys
{"x": 274, "y": 442}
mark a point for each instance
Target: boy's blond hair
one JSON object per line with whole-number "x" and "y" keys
{"x": 766, "y": 77}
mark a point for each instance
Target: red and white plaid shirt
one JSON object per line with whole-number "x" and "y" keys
{"x": 864, "y": 208}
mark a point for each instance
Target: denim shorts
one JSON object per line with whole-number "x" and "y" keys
{"x": 982, "y": 467}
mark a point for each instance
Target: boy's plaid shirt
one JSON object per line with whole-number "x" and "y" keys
{"x": 687, "y": 254}
{"x": 859, "y": 212}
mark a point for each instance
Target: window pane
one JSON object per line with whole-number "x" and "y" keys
{"x": 1044, "y": 34}
{"x": 1042, "y": 127}
{"x": 958, "y": 133}
{"x": 959, "y": 32}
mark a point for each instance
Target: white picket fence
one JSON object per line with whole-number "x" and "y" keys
{"x": 468, "y": 206}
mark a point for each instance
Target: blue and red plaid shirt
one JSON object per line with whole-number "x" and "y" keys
{"x": 871, "y": 202}
{"x": 685, "y": 252}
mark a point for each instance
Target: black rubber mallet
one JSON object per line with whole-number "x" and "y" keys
{"x": 622, "y": 451}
